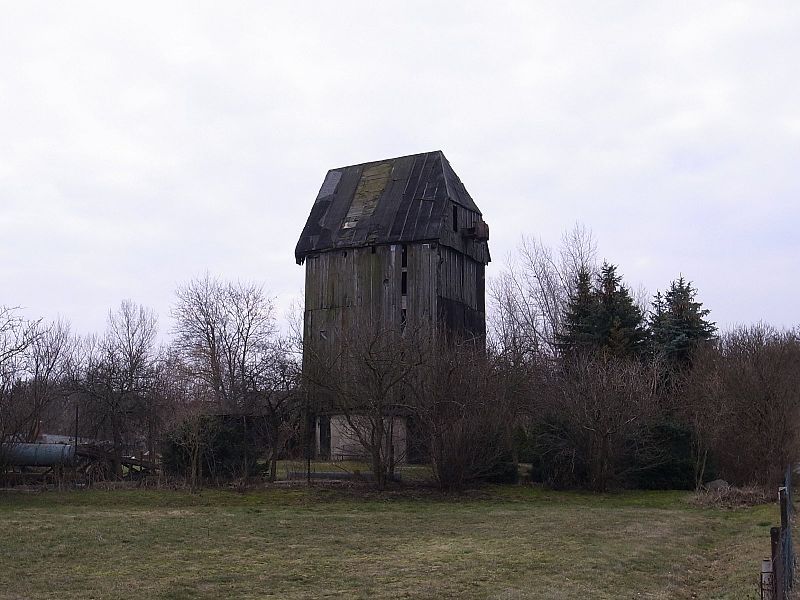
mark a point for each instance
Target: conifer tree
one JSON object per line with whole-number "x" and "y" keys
{"x": 578, "y": 335}
{"x": 602, "y": 318}
{"x": 618, "y": 322}
{"x": 678, "y": 323}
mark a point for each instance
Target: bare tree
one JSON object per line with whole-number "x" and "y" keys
{"x": 222, "y": 330}
{"x": 17, "y": 335}
{"x": 703, "y": 406}
{"x": 227, "y": 337}
{"x": 274, "y": 397}
{"x": 116, "y": 374}
{"x": 366, "y": 382}
{"x": 530, "y": 296}
{"x": 186, "y": 423}
{"x": 32, "y": 375}
{"x": 46, "y": 365}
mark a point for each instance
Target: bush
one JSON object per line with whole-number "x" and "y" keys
{"x": 524, "y": 445}
{"x": 505, "y": 472}
{"x": 658, "y": 457}
{"x": 661, "y": 459}
{"x": 228, "y": 448}
{"x": 556, "y": 458}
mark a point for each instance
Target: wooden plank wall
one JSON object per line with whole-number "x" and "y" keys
{"x": 459, "y": 278}
{"x": 359, "y": 289}
{"x": 478, "y": 251}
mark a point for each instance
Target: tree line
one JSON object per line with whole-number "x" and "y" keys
{"x": 631, "y": 391}
{"x": 141, "y": 398}
{"x": 589, "y": 383}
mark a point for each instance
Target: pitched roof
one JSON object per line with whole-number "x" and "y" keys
{"x": 395, "y": 200}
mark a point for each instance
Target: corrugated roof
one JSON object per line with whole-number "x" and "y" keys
{"x": 400, "y": 199}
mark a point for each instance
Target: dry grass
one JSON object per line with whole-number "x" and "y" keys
{"x": 292, "y": 542}
{"x": 733, "y": 497}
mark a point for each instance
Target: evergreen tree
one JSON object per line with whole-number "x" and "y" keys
{"x": 579, "y": 335}
{"x": 618, "y": 322}
{"x": 678, "y": 323}
{"x": 602, "y": 318}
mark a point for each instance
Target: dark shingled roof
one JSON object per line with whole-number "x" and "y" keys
{"x": 395, "y": 200}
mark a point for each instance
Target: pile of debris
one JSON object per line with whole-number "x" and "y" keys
{"x": 720, "y": 494}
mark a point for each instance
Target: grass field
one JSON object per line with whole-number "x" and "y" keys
{"x": 292, "y": 542}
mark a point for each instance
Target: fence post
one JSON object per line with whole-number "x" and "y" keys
{"x": 784, "y": 502}
{"x": 767, "y": 580}
{"x": 777, "y": 570}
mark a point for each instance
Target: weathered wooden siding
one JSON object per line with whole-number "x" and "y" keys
{"x": 360, "y": 290}
{"x": 458, "y": 277}
{"x": 422, "y": 272}
{"x": 461, "y": 293}
{"x": 477, "y": 250}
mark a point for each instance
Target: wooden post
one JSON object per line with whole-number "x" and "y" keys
{"x": 308, "y": 430}
{"x": 784, "y": 502}
{"x": 777, "y": 567}
{"x": 767, "y": 580}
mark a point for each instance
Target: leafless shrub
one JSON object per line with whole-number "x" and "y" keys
{"x": 732, "y": 497}
{"x": 700, "y": 402}
{"x": 464, "y": 404}
{"x": 754, "y": 393}
{"x": 595, "y": 409}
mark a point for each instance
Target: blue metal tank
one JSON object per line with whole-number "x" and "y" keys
{"x": 37, "y": 455}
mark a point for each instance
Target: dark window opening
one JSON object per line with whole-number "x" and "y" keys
{"x": 455, "y": 218}
{"x": 404, "y": 283}
{"x": 373, "y": 249}
{"x": 325, "y": 437}
{"x": 404, "y": 256}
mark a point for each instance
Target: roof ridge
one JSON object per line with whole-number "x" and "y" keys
{"x": 372, "y": 162}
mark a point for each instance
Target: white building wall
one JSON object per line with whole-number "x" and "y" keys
{"x": 345, "y": 444}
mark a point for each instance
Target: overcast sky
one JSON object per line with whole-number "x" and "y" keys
{"x": 144, "y": 145}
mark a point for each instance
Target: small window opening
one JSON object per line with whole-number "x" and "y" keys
{"x": 455, "y": 218}
{"x": 404, "y": 256}
{"x": 373, "y": 249}
{"x": 404, "y": 283}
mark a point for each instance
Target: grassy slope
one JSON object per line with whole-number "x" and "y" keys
{"x": 508, "y": 542}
